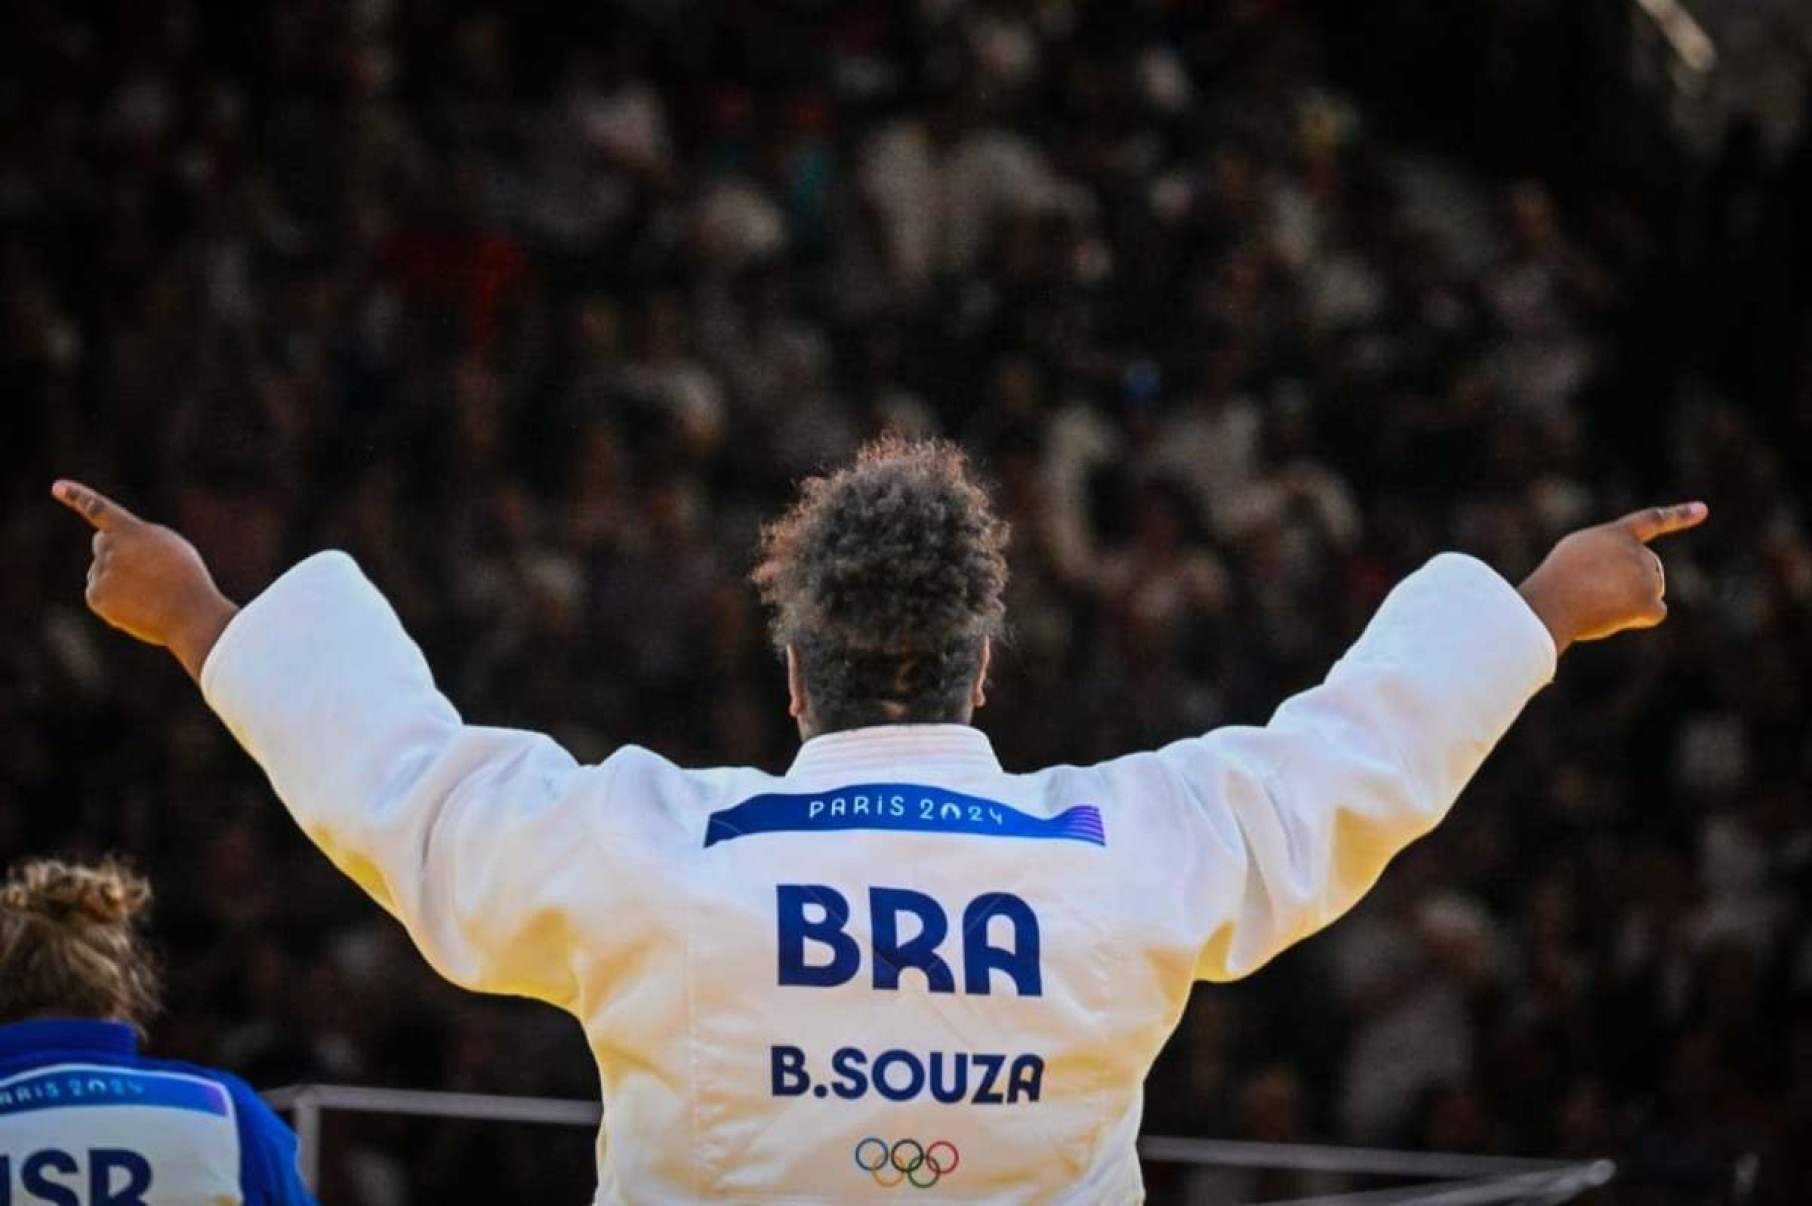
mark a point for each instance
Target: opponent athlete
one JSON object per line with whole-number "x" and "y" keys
{"x": 84, "y": 1119}
{"x": 897, "y": 962}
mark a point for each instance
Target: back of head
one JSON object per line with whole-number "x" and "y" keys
{"x": 886, "y": 579}
{"x": 71, "y": 943}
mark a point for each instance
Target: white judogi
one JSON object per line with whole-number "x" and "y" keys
{"x": 898, "y": 961}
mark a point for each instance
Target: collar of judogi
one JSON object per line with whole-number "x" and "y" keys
{"x": 66, "y": 1034}
{"x": 897, "y": 750}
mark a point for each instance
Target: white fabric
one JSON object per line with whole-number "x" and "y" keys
{"x": 99, "y": 1134}
{"x": 592, "y": 887}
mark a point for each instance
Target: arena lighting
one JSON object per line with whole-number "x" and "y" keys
{"x": 1683, "y": 33}
{"x": 1460, "y": 1180}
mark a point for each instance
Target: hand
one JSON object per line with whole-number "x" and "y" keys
{"x": 1600, "y": 581}
{"x": 147, "y": 581}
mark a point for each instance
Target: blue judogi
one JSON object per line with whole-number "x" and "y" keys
{"x": 85, "y": 1120}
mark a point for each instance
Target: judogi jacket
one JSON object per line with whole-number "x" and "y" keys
{"x": 897, "y": 962}
{"x": 85, "y": 1120}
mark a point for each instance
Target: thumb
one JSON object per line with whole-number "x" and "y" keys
{"x": 1652, "y": 522}
{"x": 1652, "y": 617}
{"x": 99, "y": 510}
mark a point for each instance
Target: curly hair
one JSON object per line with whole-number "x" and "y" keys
{"x": 886, "y": 580}
{"x": 71, "y": 943}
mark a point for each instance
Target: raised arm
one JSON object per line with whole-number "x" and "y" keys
{"x": 147, "y": 581}
{"x": 462, "y": 832}
{"x": 1289, "y": 824}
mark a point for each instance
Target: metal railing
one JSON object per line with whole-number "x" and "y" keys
{"x": 1462, "y": 1180}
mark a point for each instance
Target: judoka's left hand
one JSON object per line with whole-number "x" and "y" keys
{"x": 148, "y": 581}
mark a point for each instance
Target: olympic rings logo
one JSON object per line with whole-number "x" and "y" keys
{"x": 907, "y": 1160}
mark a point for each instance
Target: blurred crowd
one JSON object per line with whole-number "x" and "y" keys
{"x": 539, "y": 309}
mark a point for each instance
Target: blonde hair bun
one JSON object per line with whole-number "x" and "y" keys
{"x": 107, "y": 893}
{"x": 71, "y": 943}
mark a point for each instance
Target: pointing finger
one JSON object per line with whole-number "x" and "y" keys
{"x": 1653, "y": 522}
{"x": 99, "y": 510}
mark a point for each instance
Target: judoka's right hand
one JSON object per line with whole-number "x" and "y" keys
{"x": 149, "y": 582}
{"x": 1601, "y": 581}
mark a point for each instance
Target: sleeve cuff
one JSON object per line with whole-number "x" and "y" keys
{"x": 1527, "y": 639}
{"x": 247, "y": 629}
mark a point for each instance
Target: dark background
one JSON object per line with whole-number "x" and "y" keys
{"x": 1248, "y": 306}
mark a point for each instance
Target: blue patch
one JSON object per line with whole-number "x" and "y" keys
{"x": 902, "y": 807}
{"x": 68, "y": 1086}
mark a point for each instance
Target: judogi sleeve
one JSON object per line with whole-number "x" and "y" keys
{"x": 1272, "y": 833}
{"x": 465, "y": 834}
{"x": 268, "y": 1175}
